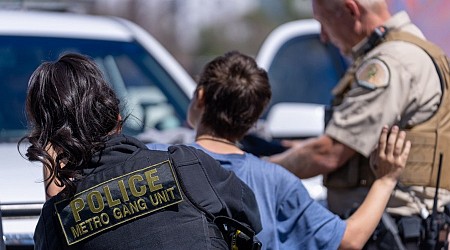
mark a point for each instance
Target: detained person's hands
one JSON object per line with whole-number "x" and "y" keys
{"x": 389, "y": 160}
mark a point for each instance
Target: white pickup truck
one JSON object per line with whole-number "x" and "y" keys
{"x": 302, "y": 72}
{"x": 151, "y": 84}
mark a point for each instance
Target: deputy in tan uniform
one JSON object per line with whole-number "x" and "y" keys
{"x": 393, "y": 82}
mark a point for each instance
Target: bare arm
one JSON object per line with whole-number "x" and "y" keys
{"x": 389, "y": 162}
{"x": 314, "y": 156}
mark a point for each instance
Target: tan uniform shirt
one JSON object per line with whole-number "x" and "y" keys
{"x": 407, "y": 92}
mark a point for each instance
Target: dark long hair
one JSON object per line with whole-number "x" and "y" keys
{"x": 70, "y": 109}
{"x": 236, "y": 92}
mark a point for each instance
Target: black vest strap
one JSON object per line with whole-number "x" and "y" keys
{"x": 237, "y": 234}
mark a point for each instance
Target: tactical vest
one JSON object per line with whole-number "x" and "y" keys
{"x": 429, "y": 139}
{"x": 152, "y": 203}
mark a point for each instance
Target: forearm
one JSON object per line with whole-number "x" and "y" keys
{"x": 388, "y": 163}
{"x": 313, "y": 157}
{"x": 363, "y": 222}
{"x": 297, "y": 161}
{"x": 311, "y": 163}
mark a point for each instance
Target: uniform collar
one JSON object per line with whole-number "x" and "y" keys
{"x": 398, "y": 20}
{"x": 118, "y": 148}
{"x": 395, "y": 22}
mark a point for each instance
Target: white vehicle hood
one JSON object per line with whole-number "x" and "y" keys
{"x": 20, "y": 180}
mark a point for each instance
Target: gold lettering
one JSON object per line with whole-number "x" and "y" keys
{"x": 104, "y": 218}
{"x": 83, "y": 227}
{"x": 152, "y": 179}
{"x": 132, "y": 184}
{"x": 90, "y": 225}
{"x": 162, "y": 197}
{"x": 77, "y": 205}
{"x": 99, "y": 198}
{"x": 154, "y": 203}
{"x": 109, "y": 199}
{"x": 142, "y": 204}
{"x": 76, "y": 232}
{"x": 126, "y": 211}
{"x": 134, "y": 207}
{"x": 117, "y": 213}
{"x": 97, "y": 222}
{"x": 123, "y": 191}
{"x": 171, "y": 192}
{"x": 88, "y": 221}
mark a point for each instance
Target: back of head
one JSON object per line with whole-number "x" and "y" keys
{"x": 236, "y": 93}
{"x": 70, "y": 110}
{"x": 365, "y": 3}
{"x": 376, "y": 6}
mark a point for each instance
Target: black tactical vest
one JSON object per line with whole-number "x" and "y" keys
{"x": 144, "y": 204}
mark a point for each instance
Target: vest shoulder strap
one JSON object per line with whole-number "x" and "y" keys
{"x": 193, "y": 173}
{"x": 442, "y": 65}
{"x": 236, "y": 234}
{"x": 436, "y": 54}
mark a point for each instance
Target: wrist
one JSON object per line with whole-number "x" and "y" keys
{"x": 387, "y": 182}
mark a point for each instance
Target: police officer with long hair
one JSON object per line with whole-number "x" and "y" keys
{"x": 111, "y": 191}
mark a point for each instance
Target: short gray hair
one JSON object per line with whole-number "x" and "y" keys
{"x": 368, "y": 4}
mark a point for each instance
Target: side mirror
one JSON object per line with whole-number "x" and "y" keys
{"x": 296, "y": 120}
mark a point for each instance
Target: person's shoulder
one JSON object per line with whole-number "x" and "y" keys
{"x": 157, "y": 146}
{"x": 398, "y": 50}
{"x": 187, "y": 149}
{"x": 270, "y": 169}
{"x": 188, "y": 153}
{"x": 400, "y": 57}
{"x": 261, "y": 162}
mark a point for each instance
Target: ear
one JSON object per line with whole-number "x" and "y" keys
{"x": 356, "y": 12}
{"x": 200, "y": 97}
{"x": 353, "y": 8}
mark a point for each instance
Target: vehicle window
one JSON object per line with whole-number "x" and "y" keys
{"x": 305, "y": 70}
{"x": 147, "y": 92}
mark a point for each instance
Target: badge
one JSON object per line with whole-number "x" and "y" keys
{"x": 373, "y": 74}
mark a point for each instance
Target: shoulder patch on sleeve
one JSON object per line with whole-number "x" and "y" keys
{"x": 373, "y": 74}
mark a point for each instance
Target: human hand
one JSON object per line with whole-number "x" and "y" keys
{"x": 389, "y": 159}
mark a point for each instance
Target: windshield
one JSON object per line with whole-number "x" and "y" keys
{"x": 305, "y": 70}
{"x": 148, "y": 93}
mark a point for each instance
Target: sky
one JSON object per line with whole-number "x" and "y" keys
{"x": 431, "y": 16}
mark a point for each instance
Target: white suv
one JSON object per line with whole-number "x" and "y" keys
{"x": 153, "y": 88}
